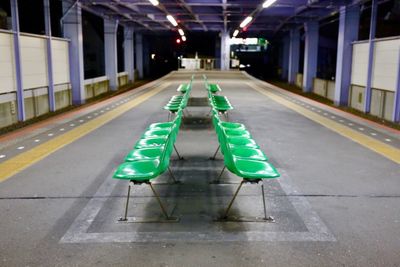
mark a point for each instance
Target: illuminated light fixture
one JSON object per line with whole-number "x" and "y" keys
{"x": 235, "y": 33}
{"x": 181, "y": 32}
{"x": 172, "y": 20}
{"x": 154, "y": 2}
{"x": 246, "y": 21}
{"x": 268, "y": 3}
{"x": 184, "y": 38}
{"x": 178, "y": 41}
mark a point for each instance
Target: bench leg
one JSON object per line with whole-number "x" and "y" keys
{"x": 127, "y": 204}
{"x": 164, "y": 211}
{"x": 171, "y": 174}
{"x": 267, "y": 218}
{"x": 215, "y": 154}
{"x": 216, "y": 181}
{"x": 233, "y": 199}
{"x": 176, "y": 150}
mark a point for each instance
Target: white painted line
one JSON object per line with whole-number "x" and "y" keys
{"x": 50, "y": 134}
{"x": 37, "y": 140}
{"x": 388, "y": 140}
{"x": 374, "y": 134}
{"x": 350, "y": 124}
{"x": 361, "y": 129}
{"x": 325, "y": 114}
{"x": 2, "y": 156}
{"x": 319, "y": 111}
{"x": 341, "y": 121}
{"x": 102, "y": 111}
{"x": 89, "y": 117}
{"x": 62, "y": 129}
{"x": 95, "y": 114}
{"x": 20, "y": 147}
{"x": 81, "y": 121}
{"x": 333, "y": 117}
{"x": 72, "y": 125}
{"x": 312, "y": 108}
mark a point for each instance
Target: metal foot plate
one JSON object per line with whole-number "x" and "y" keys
{"x": 268, "y": 219}
{"x": 149, "y": 220}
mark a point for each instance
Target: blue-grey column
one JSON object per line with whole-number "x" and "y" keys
{"x": 294, "y": 55}
{"x": 349, "y": 21}
{"x": 396, "y": 106}
{"x": 17, "y": 58}
{"x": 285, "y": 57}
{"x": 110, "y": 52}
{"x": 128, "y": 53}
{"x": 225, "y": 57}
{"x": 139, "y": 55}
{"x": 368, "y": 91}
{"x": 310, "y": 54}
{"x": 72, "y": 28}
{"x": 47, "y": 22}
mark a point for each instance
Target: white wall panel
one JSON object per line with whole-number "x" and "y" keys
{"x": 385, "y": 67}
{"x": 359, "y": 66}
{"x": 33, "y": 62}
{"x": 7, "y": 67}
{"x": 60, "y": 55}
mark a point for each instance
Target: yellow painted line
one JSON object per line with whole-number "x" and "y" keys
{"x": 22, "y": 161}
{"x": 379, "y": 147}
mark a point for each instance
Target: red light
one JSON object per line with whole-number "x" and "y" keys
{"x": 178, "y": 41}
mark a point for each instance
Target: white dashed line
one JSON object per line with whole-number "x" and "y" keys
{"x": 333, "y": 117}
{"x": 325, "y": 114}
{"x": 374, "y": 134}
{"x": 361, "y": 129}
{"x": 37, "y": 141}
{"x": 102, "y": 111}
{"x": 20, "y": 147}
{"x": 319, "y": 111}
{"x": 81, "y": 121}
{"x": 312, "y": 108}
{"x": 2, "y": 156}
{"x": 96, "y": 114}
{"x": 50, "y": 134}
{"x": 89, "y": 117}
{"x": 388, "y": 140}
{"x": 350, "y": 124}
{"x": 62, "y": 129}
{"x": 341, "y": 120}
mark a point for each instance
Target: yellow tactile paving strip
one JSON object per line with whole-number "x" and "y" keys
{"x": 22, "y": 161}
{"x": 381, "y": 148}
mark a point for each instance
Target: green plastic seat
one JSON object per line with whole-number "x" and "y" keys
{"x": 143, "y": 170}
{"x": 213, "y": 88}
{"x": 150, "y": 153}
{"x": 254, "y": 169}
{"x": 248, "y": 153}
{"x": 151, "y": 142}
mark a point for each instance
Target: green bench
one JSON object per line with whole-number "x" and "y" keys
{"x": 242, "y": 157}
{"x": 149, "y": 159}
{"x": 178, "y": 102}
{"x": 213, "y": 88}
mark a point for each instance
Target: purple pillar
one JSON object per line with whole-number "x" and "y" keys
{"x": 285, "y": 57}
{"x": 72, "y": 27}
{"x": 47, "y": 20}
{"x": 368, "y": 91}
{"x": 348, "y": 33}
{"x": 396, "y": 107}
{"x": 17, "y": 57}
{"x": 310, "y": 54}
{"x": 294, "y": 55}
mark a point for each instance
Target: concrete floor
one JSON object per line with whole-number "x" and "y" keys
{"x": 336, "y": 204}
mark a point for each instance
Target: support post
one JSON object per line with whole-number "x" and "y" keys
{"x": 396, "y": 106}
{"x": 294, "y": 55}
{"x": 47, "y": 20}
{"x": 310, "y": 54}
{"x": 225, "y": 50}
{"x": 285, "y": 57}
{"x": 110, "y": 49}
{"x": 349, "y": 21}
{"x": 128, "y": 53}
{"x": 17, "y": 58}
{"x": 368, "y": 89}
{"x": 72, "y": 28}
{"x": 139, "y": 55}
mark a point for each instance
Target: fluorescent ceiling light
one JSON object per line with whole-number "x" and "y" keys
{"x": 172, "y": 20}
{"x": 181, "y": 32}
{"x": 235, "y": 33}
{"x": 184, "y": 38}
{"x": 268, "y": 3}
{"x": 246, "y": 21}
{"x": 154, "y": 2}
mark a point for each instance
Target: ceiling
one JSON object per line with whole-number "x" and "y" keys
{"x": 215, "y": 15}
